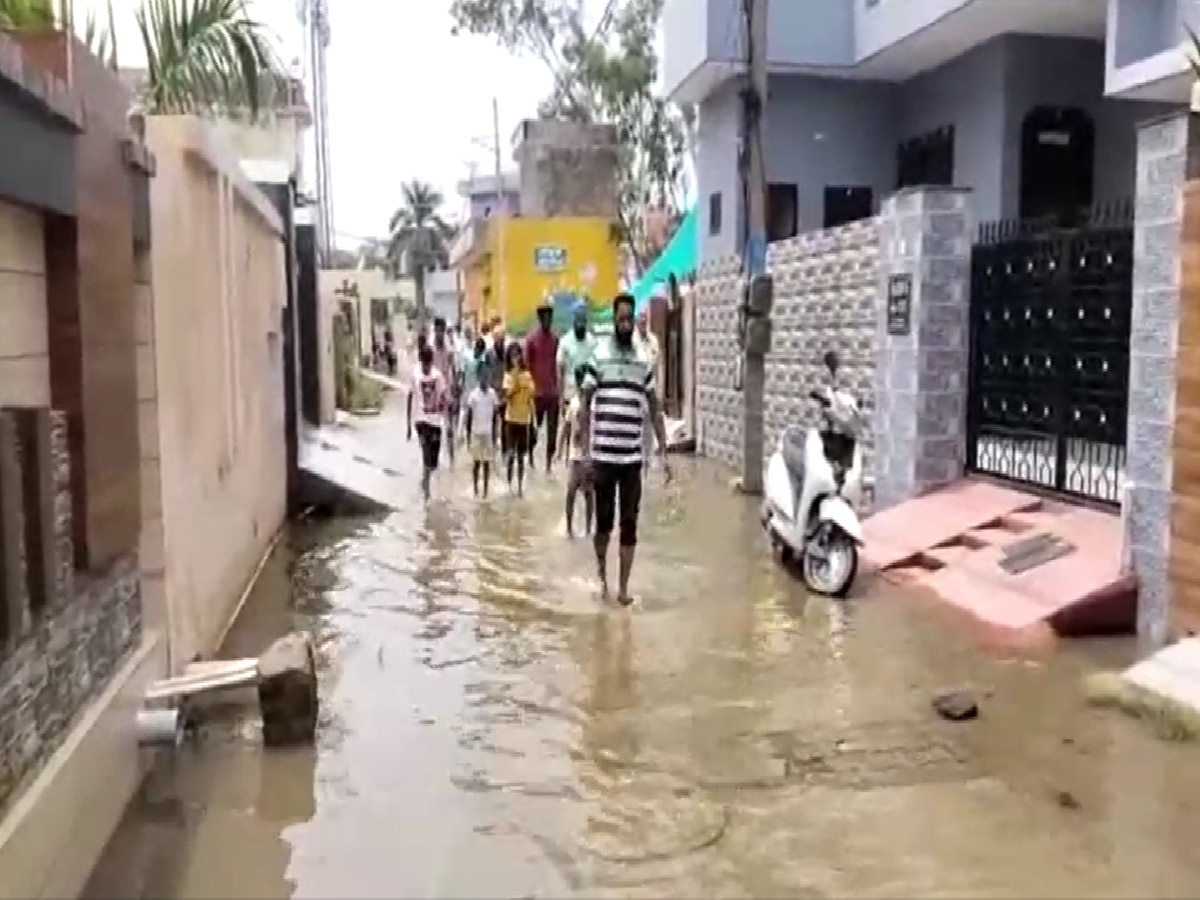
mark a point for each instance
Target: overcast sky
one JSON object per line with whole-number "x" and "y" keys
{"x": 406, "y": 99}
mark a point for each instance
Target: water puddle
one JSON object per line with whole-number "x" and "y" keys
{"x": 492, "y": 730}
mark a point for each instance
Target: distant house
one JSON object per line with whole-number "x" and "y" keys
{"x": 443, "y": 294}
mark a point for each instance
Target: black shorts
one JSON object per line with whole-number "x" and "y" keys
{"x": 618, "y": 491}
{"x": 517, "y": 436}
{"x": 430, "y": 438}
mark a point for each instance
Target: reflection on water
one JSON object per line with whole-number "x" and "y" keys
{"x": 490, "y": 731}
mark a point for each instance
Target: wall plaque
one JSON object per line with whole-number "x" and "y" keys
{"x": 899, "y": 305}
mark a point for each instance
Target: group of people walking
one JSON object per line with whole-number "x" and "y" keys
{"x": 590, "y": 402}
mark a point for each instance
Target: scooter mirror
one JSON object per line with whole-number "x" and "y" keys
{"x": 832, "y": 363}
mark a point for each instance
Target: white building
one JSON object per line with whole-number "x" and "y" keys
{"x": 443, "y": 295}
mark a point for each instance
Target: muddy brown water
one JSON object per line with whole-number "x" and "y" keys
{"x": 489, "y": 730}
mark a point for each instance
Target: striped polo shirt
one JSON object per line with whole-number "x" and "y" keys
{"x": 622, "y": 382}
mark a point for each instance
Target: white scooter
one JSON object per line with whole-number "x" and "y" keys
{"x": 813, "y": 485}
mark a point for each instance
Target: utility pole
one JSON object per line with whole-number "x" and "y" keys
{"x": 500, "y": 214}
{"x": 758, "y": 292}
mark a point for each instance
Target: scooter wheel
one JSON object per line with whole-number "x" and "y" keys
{"x": 819, "y": 578}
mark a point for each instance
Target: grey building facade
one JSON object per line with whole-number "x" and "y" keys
{"x": 1032, "y": 105}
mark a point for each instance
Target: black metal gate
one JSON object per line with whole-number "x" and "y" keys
{"x": 1049, "y": 370}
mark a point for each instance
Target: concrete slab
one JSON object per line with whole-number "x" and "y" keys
{"x": 1173, "y": 673}
{"x": 392, "y": 384}
{"x": 338, "y": 460}
{"x": 953, "y": 542}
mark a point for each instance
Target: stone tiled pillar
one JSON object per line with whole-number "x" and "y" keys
{"x": 921, "y": 375}
{"x": 1166, "y": 157}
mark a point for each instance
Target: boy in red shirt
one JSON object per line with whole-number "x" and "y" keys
{"x": 541, "y": 357}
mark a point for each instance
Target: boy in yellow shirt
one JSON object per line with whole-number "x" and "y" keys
{"x": 518, "y": 415}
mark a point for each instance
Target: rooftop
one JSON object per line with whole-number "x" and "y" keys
{"x": 481, "y": 185}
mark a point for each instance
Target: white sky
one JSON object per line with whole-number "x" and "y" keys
{"x": 406, "y": 99}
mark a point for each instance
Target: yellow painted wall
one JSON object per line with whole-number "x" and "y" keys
{"x": 588, "y": 266}
{"x": 474, "y": 281}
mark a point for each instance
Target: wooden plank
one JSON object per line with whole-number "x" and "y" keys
{"x": 1184, "y": 550}
{"x": 217, "y": 676}
{"x": 1185, "y": 566}
{"x": 1185, "y": 519}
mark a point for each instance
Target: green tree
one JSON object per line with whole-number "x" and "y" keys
{"x": 419, "y": 238}
{"x": 604, "y": 72}
{"x": 202, "y": 56}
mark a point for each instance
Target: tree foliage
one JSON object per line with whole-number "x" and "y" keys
{"x": 605, "y": 72}
{"x": 419, "y": 238}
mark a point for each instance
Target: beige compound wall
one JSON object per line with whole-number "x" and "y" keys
{"x": 214, "y": 318}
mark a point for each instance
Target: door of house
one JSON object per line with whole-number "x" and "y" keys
{"x": 673, "y": 357}
{"x": 1058, "y": 153}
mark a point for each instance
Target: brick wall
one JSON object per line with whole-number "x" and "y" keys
{"x": 826, "y": 289}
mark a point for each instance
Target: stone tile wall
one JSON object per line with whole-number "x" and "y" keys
{"x": 718, "y": 402}
{"x": 826, "y": 290}
{"x": 63, "y": 638}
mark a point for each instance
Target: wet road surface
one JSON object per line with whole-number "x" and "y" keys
{"x": 490, "y": 731}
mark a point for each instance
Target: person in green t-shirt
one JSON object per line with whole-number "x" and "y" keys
{"x": 575, "y": 349}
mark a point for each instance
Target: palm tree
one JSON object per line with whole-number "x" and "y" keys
{"x": 419, "y": 236}
{"x": 201, "y": 55}
{"x": 206, "y": 56}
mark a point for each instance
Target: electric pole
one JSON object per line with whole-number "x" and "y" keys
{"x": 500, "y": 213}
{"x": 758, "y": 291}
{"x": 754, "y": 101}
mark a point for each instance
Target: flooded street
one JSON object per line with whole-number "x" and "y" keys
{"x": 489, "y": 730}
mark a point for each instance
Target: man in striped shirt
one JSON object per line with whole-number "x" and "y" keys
{"x": 619, "y": 395}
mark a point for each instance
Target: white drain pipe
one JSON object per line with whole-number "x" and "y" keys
{"x": 159, "y": 727}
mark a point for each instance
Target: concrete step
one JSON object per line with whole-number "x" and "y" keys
{"x": 338, "y": 470}
{"x": 1173, "y": 673}
{"x": 954, "y": 541}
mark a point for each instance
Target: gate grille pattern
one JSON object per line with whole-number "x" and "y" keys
{"x": 1049, "y": 382}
